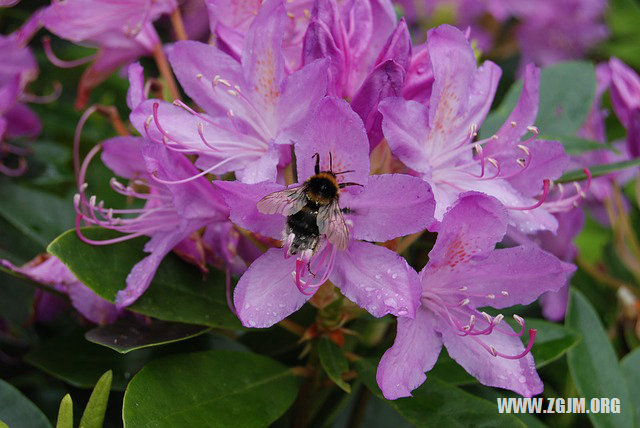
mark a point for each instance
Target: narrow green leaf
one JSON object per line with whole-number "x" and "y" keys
{"x": 127, "y": 335}
{"x": 3, "y": 425}
{"x": 598, "y": 170}
{"x": 96, "y": 407}
{"x": 178, "y": 291}
{"x": 594, "y": 366}
{"x": 65, "y": 413}
{"x": 437, "y": 403}
{"x": 213, "y": 389}
{"x": 17, "y": 411}
{"x": 575, "y": 145}
{"x": 631, "y": 368}
{"x": 334, "y": 362}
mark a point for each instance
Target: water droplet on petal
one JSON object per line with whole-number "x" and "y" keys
{"x": 522, "y": 379}
{"x": 390, "y": 302}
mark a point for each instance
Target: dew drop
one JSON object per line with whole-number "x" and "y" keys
{"x": 522, "y": 379}
{"x": 394, "y": 276}
{"x": 378, "y": 276}
{"x": 390, "y": 302}
{"x": 369, "y": 289}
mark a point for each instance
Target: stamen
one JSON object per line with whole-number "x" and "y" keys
{"x": 46, "y": 43}
{"x": 545, "y": 193}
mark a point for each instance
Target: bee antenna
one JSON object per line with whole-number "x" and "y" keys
{"x": 344, "y": 172}
{"x": 317, "y": 168}
{"x": 330, "y": 162}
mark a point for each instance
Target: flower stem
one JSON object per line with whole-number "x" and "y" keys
{"x": 178, "y": 24}
{"x": 165, "y": 71}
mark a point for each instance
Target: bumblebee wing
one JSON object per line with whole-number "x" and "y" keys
{"x": 285, "y": 202}
{"x": 332, "y": 224}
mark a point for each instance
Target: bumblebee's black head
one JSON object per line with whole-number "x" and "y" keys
{"x": 322, "y": 188}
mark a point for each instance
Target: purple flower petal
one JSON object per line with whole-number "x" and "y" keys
{"x": 406, "y": 125}
{"x": 518, "y": 375}
{"x": 135, "y": 94}
{"x": 386, "y": 80}
{"x": 336, "y": 129}
{"x": 262, "y": 58}
{"x": 242, "y": 199}
{"x": 301, "y": 93}
{"x": 414, "y": 352}
{"x": 123, "y": 156}
{"x": 377, "y": 279}
{"x": 266, "y": 293}
{"x": 389, "y": 206}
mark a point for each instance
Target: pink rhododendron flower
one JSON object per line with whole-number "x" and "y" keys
{"x": 253, "y": 111}
{"x": 230, "y": 21}
{"x": 171, "y": 214}
{"x": 376, "y": 208}
{"x": 437, "y": 140}
{"x": 465, "y": 273}
{"x": 16, "y": 71}
{"x": 121, "y": 30}
{"x": 50, "y": 271}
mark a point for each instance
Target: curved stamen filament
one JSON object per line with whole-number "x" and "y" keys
{"x": 195, "y": 177}
{"x": 543, "y": 197}
{"x": 46, "y": 43}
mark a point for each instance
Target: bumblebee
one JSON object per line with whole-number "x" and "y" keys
{"x": 312, "y": 210}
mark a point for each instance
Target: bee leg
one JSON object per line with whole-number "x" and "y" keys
{"x": 309, "y": 268}
{"x": 343, "y": 185}
{"x": 317, "y": 168}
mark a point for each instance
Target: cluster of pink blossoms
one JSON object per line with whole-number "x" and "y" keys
{"x": 281, "y": 147}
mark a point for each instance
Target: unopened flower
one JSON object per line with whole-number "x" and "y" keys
{"x": 625, "y": 98}
{"x": 50, "y": 271}
{"x": 465, "y": 273}
{"x": 323, "y": 240}
{"x": 439, "y": 140}
{"x": 253, "y": 111}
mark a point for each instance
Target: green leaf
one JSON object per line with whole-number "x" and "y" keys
{"x": 65, "y": 414}
{"x": 17, "y": 411}
{"x": 567, "y": 91}
{"x": 126, "y": 335}
{"x": 177, "y": 293}
{"x": 439, "y": 403}
{"x": 73, "y": 359}
{"x": 594, "y": 366}
{"x": 38, "y": 215}
{"x": 598, "y": 170}
{"x": 96, "y": 407}
{"x": 575, "y": 145}
{"x": 447, "y": 370}
{"x": 3, "y": 425}
{"x": 552, "y": 341}
{"x": 630, "y": 365}
{"x": 213, "y": 389}
{"x": 334, "y": 362}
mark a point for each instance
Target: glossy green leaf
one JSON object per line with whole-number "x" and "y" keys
{"x": 38, "y": 215}
{"x": 73, "y": 359}
{"x": 178, "y": 291}
{"x": 594, "y": 366}
{"x": 127, "y": 335}
{"x": 597, "y": 170}
{"x": 17, "y": 411}
{"x": 3, "y": 425}
{"x": 552, "y": 341}
{"x": 65, "y": 413}
{"x": 575, "y": 145}
{"x": 437, "y": 403}
{"x": 93, "y": 414}
{"x": 334, "y": 362}
{"x": 567, "y": 91}
{"x": 631, "y": 369}
{"x": 213, "y": 389}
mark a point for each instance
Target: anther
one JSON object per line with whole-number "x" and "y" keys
{"x": 464, "y": 302}
{"x": 525, "y": 149}
{"x": 518, "y": 319}
{"x": 463, "y": 288}
{"x": 533, "y": 129}
{"x": 504, "y": 293}
{"x": 514, "y": 124}
{"x": 491, "y": 296}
